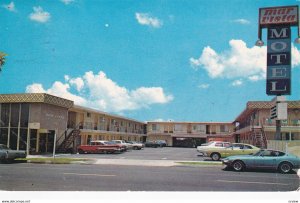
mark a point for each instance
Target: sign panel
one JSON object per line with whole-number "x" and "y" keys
{"x": 34, "y": 125}
{"x": 286, "y": 15}
{"x": 279, "y": 61}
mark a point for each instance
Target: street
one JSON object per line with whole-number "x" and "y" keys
{"x": 76, "y": 177}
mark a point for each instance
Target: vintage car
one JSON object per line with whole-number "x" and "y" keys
{"x": 213, "y": 144}
{"x": 264, "y": 159}
{"x": 162, "y": 143}
{"x": 126, "y": 145}
{"x": 152, "y": 144}
{"x": 234, "y": 149}
{"x": 136, "y": 145}
{"x": 8, "y": 155}
{"x": 100, "y": 146}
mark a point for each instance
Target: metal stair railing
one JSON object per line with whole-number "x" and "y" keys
{"x": 264, "y": 137}
{"x": 69, "y": 138}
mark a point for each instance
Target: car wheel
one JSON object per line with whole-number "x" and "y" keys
{"x": 238, "y": 166}
{"x": 80, "y": 151}
{"x": 135, "y": 147}
{"x": 285, "y": 167}
{"x": 215, "y": 156}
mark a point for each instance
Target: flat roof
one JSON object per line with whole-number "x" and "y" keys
{"x": 91, "y": 110}
{"x": 36, "y": 98}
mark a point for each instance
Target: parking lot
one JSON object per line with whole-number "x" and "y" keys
{"x": 165, "y": 153}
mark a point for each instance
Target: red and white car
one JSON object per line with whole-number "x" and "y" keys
{"x": 100, "y": 146}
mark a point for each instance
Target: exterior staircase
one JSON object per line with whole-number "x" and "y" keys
{"x": 259, "y": 138}
{"x": 66, "y": 144}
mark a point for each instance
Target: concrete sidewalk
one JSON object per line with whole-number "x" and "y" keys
{"x": 130, "y": 162}
{"x": 133, "y": 162}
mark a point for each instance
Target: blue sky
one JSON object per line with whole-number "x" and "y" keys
{"x": 148, "y": 59}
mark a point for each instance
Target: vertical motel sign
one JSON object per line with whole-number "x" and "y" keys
{"x": 278, "y": 21}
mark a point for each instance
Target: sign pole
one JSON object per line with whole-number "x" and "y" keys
{"x": 278, "y": 130}
{"x": 54, "y": 144}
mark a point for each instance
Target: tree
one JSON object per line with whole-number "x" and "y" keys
{"x": 2, "y": 59}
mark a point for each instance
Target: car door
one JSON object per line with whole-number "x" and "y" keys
{"x": 247, "y": 149}
{"x": 236, "y": 149}
{"x": 265, "y": 160}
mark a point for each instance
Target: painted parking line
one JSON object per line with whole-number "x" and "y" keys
{"x": 246, "y": 182}
{"x": 88, "y": 174}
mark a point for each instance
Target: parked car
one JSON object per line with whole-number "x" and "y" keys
{"x": 213, "y": 144}
{"x": 136, "y": 145}
{"x": 128, "y": 146}
{"x": 162, "y": 143}
{"x": 152, "y": 144}
{"x": 233, "y": 149}
{"x": 8, "y": 155}
{"x": 100, "y": 146}
{"x": 264, "y": 159}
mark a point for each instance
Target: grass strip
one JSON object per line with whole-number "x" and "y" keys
{"x": 53, "y": 160}
{"x": 200, "y": 163}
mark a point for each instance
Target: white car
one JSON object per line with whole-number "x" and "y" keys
{"x": 136, "y": 145}
{"x": 214, "y": 144}
{"x": 123, "y": 143}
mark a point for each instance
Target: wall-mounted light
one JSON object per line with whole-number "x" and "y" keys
{"x": 259, "y": 42}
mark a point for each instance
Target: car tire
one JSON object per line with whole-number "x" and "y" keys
{"x": 135, "y": 147}
{"x": 285, "y": 167}
{"x": 80, "y": 151}
{"x": 215, "y": 156}
{"x": 238, "y": 166}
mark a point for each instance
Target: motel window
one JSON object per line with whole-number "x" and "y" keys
{"x": 178, "y": 127}
{"x": 14, "y": 116}
{"x": 287, "y": 136}
{"x": 199, "y": 128}
{"x": 5, "y": 108}
{"x": 89, "y": 139}
{"x": 154, "y": 127}
{"x": 224, "y": 128}
{"x": 24, "y": 115}
{"x": 3, "y": 136}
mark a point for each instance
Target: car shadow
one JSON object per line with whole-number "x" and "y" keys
{"x": 256, "y": 170}
{"x": 13, "y": 162}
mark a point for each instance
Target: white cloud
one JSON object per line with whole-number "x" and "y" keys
{"x": 239, "y": 61}
{"x": 204, "y": 86}
{"x": 67, "y": 1}
{"x": 39, "y": 15}
{"x": 10, "y": 7}
{"x": 254, "y": 78}
{"x": 58, "y": 89}
{"x": 146, "y": 19}
{"x": 237, "y": 83}
{"x": 241, "y": 21}
{"x": 77, "y": 82}
{"x": 35, "y": 88}
{"x": 100, "y": 92}
{"x": 162, "y": 120}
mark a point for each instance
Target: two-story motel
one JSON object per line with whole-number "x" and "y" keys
{"x": 31, "y": 121}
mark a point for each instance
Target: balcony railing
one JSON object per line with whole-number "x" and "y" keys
{"x": 269, "y": 122}
{"x": 122, "y": 129}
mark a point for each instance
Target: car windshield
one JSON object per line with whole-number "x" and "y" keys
{"x": 258, "y": 153}
{"x": 207, "y": 144}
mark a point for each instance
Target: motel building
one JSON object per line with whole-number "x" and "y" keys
{"x": 31, "y": 121}
{"x": 189, "y": 134}
{"x": 37, "y": 122}
{"x": 255, "y": 127}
